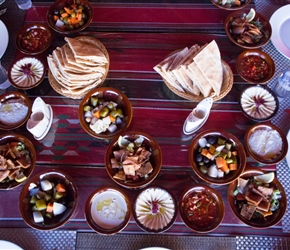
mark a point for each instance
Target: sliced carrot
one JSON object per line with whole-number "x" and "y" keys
{"x": 234, "y": 153}
{"x": 60, "y": 187}
{"x": 67, "y": 10}
{"x": 211, "y": 149}
{"x": 97, "y": 114}
{"x": 112, "y": 119}
{"x": 55, "y": 17}
{"x": 63, "y": 15}
{"x": 222, "y": 164}
{"x": 233, "y": 166}
{"x": 49, "y": 207}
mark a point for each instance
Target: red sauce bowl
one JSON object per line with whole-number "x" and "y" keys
{"x": 33, "y": 39}
{"x": 248, "y": 63}
{"x": 204, "y": 220}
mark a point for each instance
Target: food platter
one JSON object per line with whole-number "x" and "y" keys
{"x": 227, "y": 85}
{"x": 73, "y": 92}
{"x": 280, "y": 22}
{"x": 4, "y": 38}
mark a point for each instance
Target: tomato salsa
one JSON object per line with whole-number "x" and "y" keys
{"x": 35, "y": 39}
{"x": 254, "y": 67}
{"x": 200, "y": 208}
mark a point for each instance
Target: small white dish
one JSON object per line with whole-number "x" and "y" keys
{"x": 288, "y": 153}
{"x": 48, "y": 125}
{"x": 280, "y": 22}
{"x": 198, "y": 116}
{"x": 6, "y": 245}
{"x": 4, "y": 38}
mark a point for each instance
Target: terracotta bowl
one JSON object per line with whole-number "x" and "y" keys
{"x": 260, "y": 223}
{"x": 155, "y": 209}
{"x": 137, "y": 181}
{"x": 202, "y": 167}
{"x": 101, "y": 200}
{"x": 250, "y": 58}
{"x": 9, "y": 102}
{"x": 19, "y": 147}
{"x": 106, "y": 94}
{"x": 265, "y": 100}
{"x": 266, "y": 29}
{"x": 21, "y": 70}
{"x": 58, "y": 6}
{"x": 194, "y": 219}
{"x": 33, "y": 39}
{"x": 269, "y": 157}
{"x": 31, "y": 189}
{"x": 243, "y": 4}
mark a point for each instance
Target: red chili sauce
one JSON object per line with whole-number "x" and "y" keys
{"x": 200, "y": 208}
{"x": 35, "y": 39}
{"x": 254, "y": 67}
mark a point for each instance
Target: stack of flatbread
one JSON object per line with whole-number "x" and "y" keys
{"x": 79, "y": 65}
{"x": 196, "y": 70}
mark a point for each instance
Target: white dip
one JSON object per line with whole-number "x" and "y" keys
{"x": 266, "y": 143}
{"x": 108, "y": 209}
{"x": 12, "y": 113}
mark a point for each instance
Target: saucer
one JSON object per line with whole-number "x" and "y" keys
{"x": 193, "y": 122}
{"x": 48, "y": 126}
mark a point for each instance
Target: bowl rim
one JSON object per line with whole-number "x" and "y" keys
{"x": 170, "y": 224}
{"x": 68, "y": 32}
{"x": 125, "y": 100}
{"x": 259, "y": 16}
{"x": 21, "y": 58}
{"x": 27, "y": 28}
{"x": 261, "y": 54}
{"x": 208, "y": 179}
{"x": 231, "y": 8}
{"x": 32, "y": 152}
{"x": 94, "y": 225}
{"x": 271, "y": 92}
{"x": 38, "y": 177}
{"x": 210, "y": 190}
{"x": 13, "y": 94}
{"x": 153, "y": 175}
{"x": 259, "y": 159}
{"x": 252, "y": 172}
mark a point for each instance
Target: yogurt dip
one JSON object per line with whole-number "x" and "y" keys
{"x": 266, "y": 143}
{"x": 108, "y": 209}
{"x": 13, "y": 112}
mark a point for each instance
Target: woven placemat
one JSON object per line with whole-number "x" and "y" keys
{"x": 30, "y": 239}
{"x": 281, "y": 119}
{"x": 86, "y": 241}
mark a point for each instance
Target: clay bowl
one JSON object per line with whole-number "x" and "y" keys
{"x": 33, "y": 39}
{"x": 19, "y": 147}
{"x": 155, "y": 209}
{"x": 258, "y": 222}
{"x": 249, "y": 59}
{"x": 106, "y": 94}
{"x": 202, "y": 167}
{"x": 137, "y": 181}
{"x": 262, "y": 132}
{"x": 63, "y": 27}
{"x": 9, "y": 103}
{"x": 68, "y": 198}
{"x": 198, "y": 220}
{"x": 243, "y": 4}
{"x": 266, "y": 29}
{"x": 107, "y": 198}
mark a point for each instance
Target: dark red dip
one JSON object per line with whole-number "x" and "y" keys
{"x": 200, "y": 208}
{"x": 254, "y": 67}
{"x": 35, "y": 39}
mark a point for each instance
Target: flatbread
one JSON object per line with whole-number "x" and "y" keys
{"x": 208, "y": 60}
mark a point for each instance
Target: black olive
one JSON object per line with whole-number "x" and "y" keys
{"x": 205, "y": 160}
{"x": 211, "y": 140}
{"x": 199, "y": 158}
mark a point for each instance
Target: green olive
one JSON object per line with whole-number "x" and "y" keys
{"x": 203, "y": 169}
{"x": 87, "y": 108}
{"x": 104, "y": 112}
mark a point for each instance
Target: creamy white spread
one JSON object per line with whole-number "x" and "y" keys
{"x": 266, "y": 143}
{"x": 155, "y": 208}
{"x": 108, "y": 209}
{"x": 27, "y": 72}
{"x": 12, "y": 113}
{"x": 258, "y": 103}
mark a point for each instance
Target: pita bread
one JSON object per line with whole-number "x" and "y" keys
{"x": 208, "y": 60}
{"x": 85, "y": 51}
